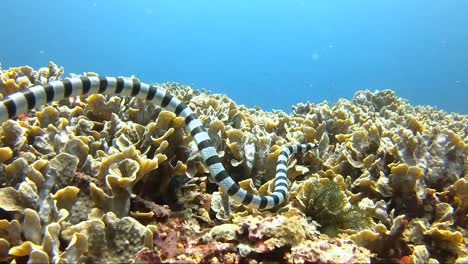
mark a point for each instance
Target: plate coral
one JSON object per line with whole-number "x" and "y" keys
{"x": 115, "y": 179}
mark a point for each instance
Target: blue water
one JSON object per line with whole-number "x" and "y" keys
{"x": 269, "y": 53}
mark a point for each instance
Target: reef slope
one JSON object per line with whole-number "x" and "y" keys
{"x": 113, "y": 179}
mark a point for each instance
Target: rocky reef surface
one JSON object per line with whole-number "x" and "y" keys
{"x": 111, "y": 179}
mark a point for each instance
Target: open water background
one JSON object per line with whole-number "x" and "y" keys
{"x": 271, "y": 53}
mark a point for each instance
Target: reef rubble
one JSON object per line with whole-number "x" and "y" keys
{"x": 114, "y": 179}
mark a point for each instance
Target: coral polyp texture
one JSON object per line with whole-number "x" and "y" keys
{"x": 105, "y": 178}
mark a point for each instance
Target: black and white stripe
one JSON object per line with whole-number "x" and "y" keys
{"x": 39, "y": 95}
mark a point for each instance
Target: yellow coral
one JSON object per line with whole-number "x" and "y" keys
{"x": 404, "y": 179}
{"x": 5, "y": 154}
{"x": 415, "y": 125}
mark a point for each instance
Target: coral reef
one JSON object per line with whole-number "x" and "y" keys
{"x": 19, "y": 78}
{"x": 114, "y": 179}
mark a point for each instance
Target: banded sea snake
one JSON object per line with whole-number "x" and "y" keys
{"x": 39, "y": 95}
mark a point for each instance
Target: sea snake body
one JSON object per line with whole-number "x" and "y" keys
{"x": 21, "y": 102}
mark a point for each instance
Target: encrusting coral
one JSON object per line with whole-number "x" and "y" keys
{"x": 113, "y": 179}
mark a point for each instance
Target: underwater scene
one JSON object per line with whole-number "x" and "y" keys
{"x": 159, "y": 131}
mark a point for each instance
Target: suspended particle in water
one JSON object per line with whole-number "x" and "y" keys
{"x": 148, "y": 11}
{"x": 315, "y": 56}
